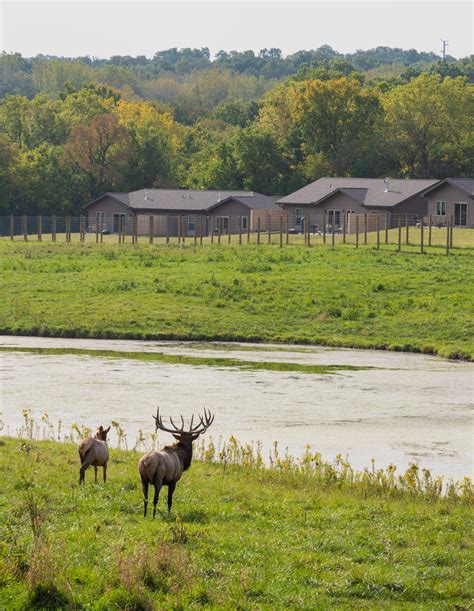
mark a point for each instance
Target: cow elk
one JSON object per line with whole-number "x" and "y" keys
{"x": 164, "y": 468}
{"x": 94, "y": 451}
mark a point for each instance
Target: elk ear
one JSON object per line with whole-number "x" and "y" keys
{"x": 194, "y": 437}
{"x": 177, "y": 437}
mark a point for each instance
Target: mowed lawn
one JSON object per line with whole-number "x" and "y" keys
{"x": 238, "y": 538}
{"x": 340, "y": 297}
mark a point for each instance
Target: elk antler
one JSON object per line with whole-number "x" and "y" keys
{"x": 201, "y": 427}
{"x": 204, "y": 423}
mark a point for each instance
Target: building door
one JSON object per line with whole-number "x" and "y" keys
{"x": 222, "y": 224}
{"x": 460, "y": 214}
{"x": 299, "y": 220}
{"x": 119, "y": 222}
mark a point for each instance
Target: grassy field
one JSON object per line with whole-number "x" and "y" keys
{"x": 239, "y": 537}
{"x": 340, "y": 297}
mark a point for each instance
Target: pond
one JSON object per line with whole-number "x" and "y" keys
{"x": 403, "y": 408}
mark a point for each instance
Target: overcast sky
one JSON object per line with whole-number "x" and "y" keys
{"x": 105, "y": 28}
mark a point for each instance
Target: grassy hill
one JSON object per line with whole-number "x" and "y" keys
{"x": 240, "y": 536}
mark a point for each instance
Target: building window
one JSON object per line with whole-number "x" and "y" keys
{"x": 244, "y": 223}
{"x": 440, "y": 208}
{"x": 191, "y": 224}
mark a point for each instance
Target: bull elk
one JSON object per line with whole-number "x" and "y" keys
{"x": 94, "y": 451}
{"x": 164, "y": 468}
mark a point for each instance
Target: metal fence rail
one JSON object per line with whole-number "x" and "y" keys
{"x": 327, "y": 227}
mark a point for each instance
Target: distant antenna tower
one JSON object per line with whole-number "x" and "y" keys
{"x": 443, "y": 50}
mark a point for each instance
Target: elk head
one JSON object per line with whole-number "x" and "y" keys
{"x": 181, "y": 434}
{"x": 102, "y": 433}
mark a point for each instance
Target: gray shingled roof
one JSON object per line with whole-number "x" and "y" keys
{"x": 367, "y": 191}
{"x": 466, "y": 185}
{"x": 192, "y": 200}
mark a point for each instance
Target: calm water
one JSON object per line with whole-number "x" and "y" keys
{"x": 414, "y": 408}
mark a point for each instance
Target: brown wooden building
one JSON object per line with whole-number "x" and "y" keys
{"x": 183, "y": 212}
{"x": 329, "y": 198}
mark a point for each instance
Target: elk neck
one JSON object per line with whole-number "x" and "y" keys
{"x": 185, "y": 451}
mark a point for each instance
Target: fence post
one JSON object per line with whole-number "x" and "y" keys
{"x": 179, "y": 228}
{"x": 258, "y": 230}
{"x": 429, "y": 230}
{"x": 229, "y": 230}
{"x": 324, "y": 226}
{"x": 451, "y": 225}
{"x": 12, "y": 226}
{"x": 119, "y": 229}
{"x": 68, "y": 228}
{"x": 240, "y": 230}
{"x": 287, "y": 234}
{"x": 96, "y": 229}
{"x": 377, "y": 227}
{"x": 309, "y": 229}
{"x": 249, "y": 218}
{"x": 150, "y": 229}
{"x": 40, "y": 228}
{"x": 333, "y": 236}
{"x": 219, "y": 229}
{"x": 344, "y": 218}
{"x": 365, "y": 229}
{"x": 167, "y": 232}
{"x": 447, "y": 238}
{"x": 212, "y": 229}
{"x": 357, "y": 231}
{"x": 281, "y": 231}
{"x": 422, "y": 235}
{"x": 200, "y": 229}
{"x": 386, "y": 228}
{"x": 407, "y": 237}
{"x": 195, "y": 232}
{"x": 82, "y": 233}
{"x": 53, "y": 228}
{"x": 399, "y": 234}
{"x": 25, "y": 228}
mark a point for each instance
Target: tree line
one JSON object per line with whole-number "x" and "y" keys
{"x": 223, "y": 127}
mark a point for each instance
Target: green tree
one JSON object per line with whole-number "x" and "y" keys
{"x": 336, "y": 118}
{"x": 99, "y": 151}
{"x": 426, "y": 118}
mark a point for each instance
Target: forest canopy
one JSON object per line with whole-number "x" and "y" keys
{"x": 73, "y": 128}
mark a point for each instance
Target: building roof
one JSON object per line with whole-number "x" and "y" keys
{"x": 196, "y": 200}
{"x": 466, "y": 185}
{"x": 367, "y": 191}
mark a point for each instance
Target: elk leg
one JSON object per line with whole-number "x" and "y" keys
{"x": 171, "y": 488}
{"x": 105, "y": 472}
{"x": 145, "y": 495}
{"x": 95, "y": 474}
{"x": 157, "y": 483}
{"x": 86, "y": 463}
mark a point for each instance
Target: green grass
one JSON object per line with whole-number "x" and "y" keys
{"x": 343, "y": 297}
{"x": 245, "y": 538}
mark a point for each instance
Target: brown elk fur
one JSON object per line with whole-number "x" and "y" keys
{"x": 94, "y": 451}
{"x": 165, "y": 468}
